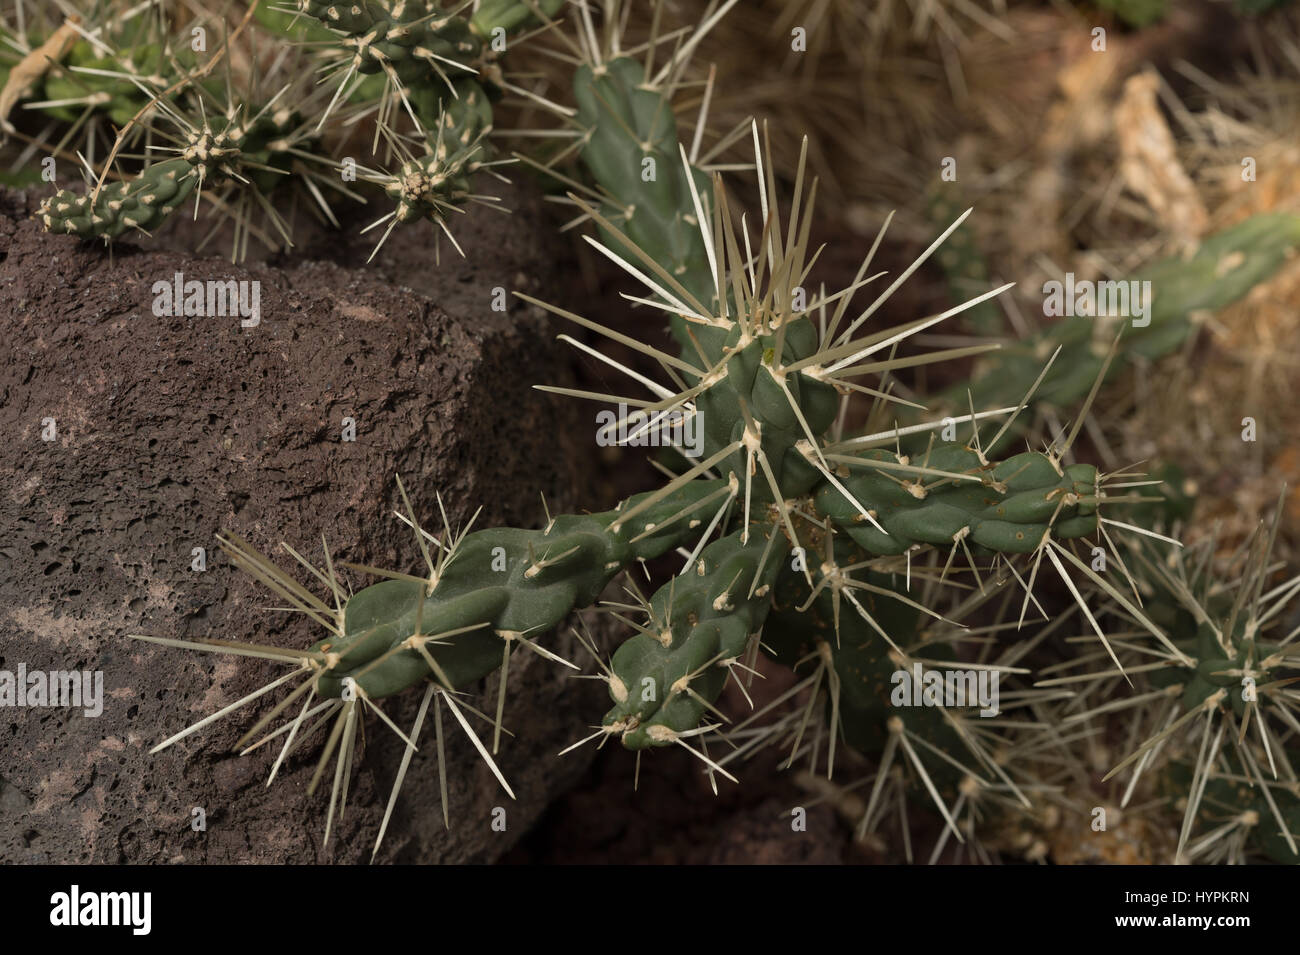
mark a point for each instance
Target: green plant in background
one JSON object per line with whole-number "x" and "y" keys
{"x": 1225, "y": 267}
{"x": 400, "y": 62}
{"x": 1136, "y": 13}
{"x": 115, "y": 71}
{"x": 848, "y": 558}
{"x": 1225, "y": 677}
{"x": 1143, "y": 13}
{"x": 1222, "y": 270}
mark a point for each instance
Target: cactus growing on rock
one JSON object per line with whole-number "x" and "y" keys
{"x": 767, "y": 384}
{"x": 836, "y": 555}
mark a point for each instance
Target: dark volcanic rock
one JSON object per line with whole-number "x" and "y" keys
{"x": 172, "y": 429}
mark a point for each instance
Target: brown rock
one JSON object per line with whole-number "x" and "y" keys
{"x": 170, "y": 429}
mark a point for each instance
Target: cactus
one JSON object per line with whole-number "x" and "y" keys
{"x": 838, "y": 556}
{"x": 702, "y": 624}
{"x": 442, "y": 67}
{"x": 764, "y": 384}
{"x": 1224, "y": 674}
{"x": 249, "y": 155}
{"x": 1223, "y": 269}
{"x": 546, "y": 575}
{"x": 1005, "y": 507}
{"x": 630, "y": 129}
{"x": 141, "y": 204}
{"x": 208, "y": 133}
{"x": 456, "y": 625}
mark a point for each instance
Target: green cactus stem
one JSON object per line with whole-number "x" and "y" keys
{"x": 1224, "y": 268}
{"x": 142, "y": 203}
{"x": 666, "y": 678}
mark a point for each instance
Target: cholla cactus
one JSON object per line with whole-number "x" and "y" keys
{"x": 792, "y": 534}
{"x": 851, "y": 558}
{"x": 1220, "y": 695}
{"x": 234, "y": 139}
{"x": 248, "y": 155}
{"x": 437, "y": 74}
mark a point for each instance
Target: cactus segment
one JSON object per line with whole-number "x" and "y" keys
{"x": 220, "y": 151}
{"x": 117, "y": 98}
{"x": 504, "y": 582}
{"x": 412, "y": 38}
{"x": 752, "y": 385}
{"x": 1225, "y": 802}
{"x": 142, "y": 203}
{"x": 632, "y": 153}
{"x": 1221, "y": 663}
{"x": 510, "y": 15}
{"x": 847, "y": 655}
{"x": 428, "y": 186}
{"x": 667, "y": 677}
{"x": 1007, "y": 507}
{"x": 1224, "y": 268}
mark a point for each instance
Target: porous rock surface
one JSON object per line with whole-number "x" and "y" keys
{"x": 170, "y": 429}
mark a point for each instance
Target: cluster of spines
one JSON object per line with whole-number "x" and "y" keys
{"x": 431, "y": 60}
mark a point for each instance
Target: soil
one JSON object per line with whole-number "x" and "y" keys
{"x": 673, "y": 818}
{"x": 172, "y": 429}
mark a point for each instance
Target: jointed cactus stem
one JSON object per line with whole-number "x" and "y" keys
{"x": 1223, "y": 269}
{"x": 242, "y": 147}
{"x": 1221, "y": 677}
{"x": 486, "y": 592}
{"x": 141, "y": 204}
